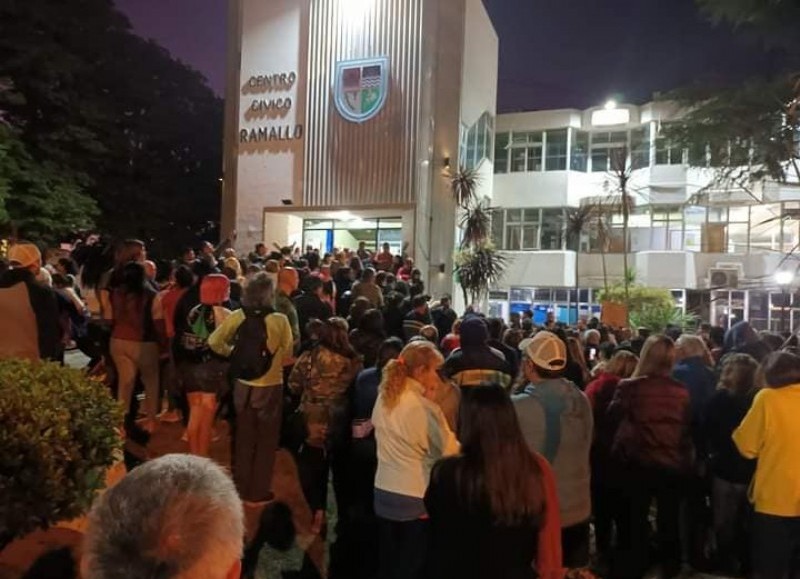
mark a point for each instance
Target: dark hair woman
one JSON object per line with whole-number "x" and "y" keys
{"x": 135, "y": 337}
{"x": 770, "y": 432}
{"x": 731, "y": 472}
{"x": 654, "y": 453}
{"x": 322, "y": 378}
{"x": 367, "y": 337}
{"x": 487, "y": 505}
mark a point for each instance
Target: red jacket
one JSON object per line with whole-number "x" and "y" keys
{"x": 654, "y": 418}
{"x": 549, "y": 561}
{"x": 600, "y": 392}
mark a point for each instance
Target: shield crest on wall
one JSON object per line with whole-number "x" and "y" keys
{"x": 361, "y": 88}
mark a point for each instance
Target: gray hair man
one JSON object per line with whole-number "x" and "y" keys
{"x": 176, "y": 517}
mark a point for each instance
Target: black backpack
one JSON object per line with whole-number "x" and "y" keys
{"x": 251, "y": 358}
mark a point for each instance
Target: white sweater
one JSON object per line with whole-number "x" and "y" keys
{"x": 410, "y": 438}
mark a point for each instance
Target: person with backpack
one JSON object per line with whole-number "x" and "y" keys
{"x": 556, "y": 421}
{"x": 257, "y": 340}
{"x": 202, "y": 373}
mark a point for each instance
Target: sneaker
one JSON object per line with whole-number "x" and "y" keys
{"x": 170, "y": 416}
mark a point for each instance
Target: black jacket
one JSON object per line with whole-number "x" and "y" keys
{"x": 308, "y": 307}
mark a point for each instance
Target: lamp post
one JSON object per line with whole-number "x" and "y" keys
{"x": 783, "y": 279}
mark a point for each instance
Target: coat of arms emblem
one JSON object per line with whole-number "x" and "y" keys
{"x": 361, "y": 88}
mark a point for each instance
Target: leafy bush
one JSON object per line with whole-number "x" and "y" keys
{"x": 58, "y": 436}
{"x": 651, "y": 308}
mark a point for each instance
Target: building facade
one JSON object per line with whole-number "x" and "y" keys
{"x": 717, "y": 250}
{"x": 343, "y": 117}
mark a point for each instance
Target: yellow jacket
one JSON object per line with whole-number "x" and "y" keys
{"x": 771, "y": 433}
{"x": 279, "y": 342}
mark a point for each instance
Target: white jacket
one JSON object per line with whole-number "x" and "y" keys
{"x": 410, "y": 439}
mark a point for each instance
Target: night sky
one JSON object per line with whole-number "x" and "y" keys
{"x": 553, "y": 53}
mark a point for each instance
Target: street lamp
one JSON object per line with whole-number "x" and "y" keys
{"x": 784, "y": 279}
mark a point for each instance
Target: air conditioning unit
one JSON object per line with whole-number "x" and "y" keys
{"x": 723, "y": 278}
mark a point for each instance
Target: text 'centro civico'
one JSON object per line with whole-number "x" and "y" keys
{"x": 271, "y": 106}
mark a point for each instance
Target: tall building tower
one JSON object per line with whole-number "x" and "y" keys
{"x": 343, "y": 117}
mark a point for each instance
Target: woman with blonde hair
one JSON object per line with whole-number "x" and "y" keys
{"x": 654, "y": 455}
{"x": 411, "y": 434}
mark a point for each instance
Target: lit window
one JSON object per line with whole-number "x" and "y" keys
{"x": 580, "y": 151}
{"x": 556, "y": 158}
{"x": 501, "y": 153}
{"x": 640, "y": 147}
{"x": 526, "y": 151}
{"x": 606, "y": 149}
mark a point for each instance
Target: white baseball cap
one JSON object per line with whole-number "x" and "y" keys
{"x": 545, "y": 350}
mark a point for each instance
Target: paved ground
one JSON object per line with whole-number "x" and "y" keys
{"x": 310, "y": 551}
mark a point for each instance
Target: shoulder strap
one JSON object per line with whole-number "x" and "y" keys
{"x": 553, "y": 407}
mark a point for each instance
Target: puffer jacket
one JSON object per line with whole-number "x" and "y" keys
{"x": 654, "y": 424}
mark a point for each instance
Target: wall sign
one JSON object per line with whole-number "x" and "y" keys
{"x": 275, "y": 103}
{"x": 361, "y": 88}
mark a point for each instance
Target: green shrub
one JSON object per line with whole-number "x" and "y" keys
{"x": 651, "y": 308}
{"x": 58, "y": 436}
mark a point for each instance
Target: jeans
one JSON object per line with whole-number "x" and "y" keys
{"x": 776, "y": 547}
{"x": 131, "y": 357}
{"x": 403, "y": 548}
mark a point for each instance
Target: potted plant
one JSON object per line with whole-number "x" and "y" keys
{"x": 58, "y": 436}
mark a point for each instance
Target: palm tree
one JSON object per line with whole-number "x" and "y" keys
{"x": 478, "y": 265}
{"x": 478, "y": 268}
{"x": 464, "y": 184}
{"x": 621, "y": 170}
{"x": 578, "y": 220}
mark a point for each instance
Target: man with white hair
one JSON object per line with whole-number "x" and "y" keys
{"x": 29, "y": 310}
{"x": 175, "y": 517}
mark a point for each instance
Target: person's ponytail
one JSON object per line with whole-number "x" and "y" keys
{"x": 393, "y": 378}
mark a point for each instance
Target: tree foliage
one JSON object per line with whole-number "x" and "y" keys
{"x": 113, "y": 114}
{"x": 37, "y": 201}
{"x": 748, "y": 132}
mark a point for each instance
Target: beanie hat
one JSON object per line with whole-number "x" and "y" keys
{"x": 474, "y": 332}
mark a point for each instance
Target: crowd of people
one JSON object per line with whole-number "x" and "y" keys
{"x": 456, "y": 445}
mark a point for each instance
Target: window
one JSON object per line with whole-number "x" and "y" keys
{"x": 606, "y": 148}
{"x": 668, "y": 153}
{"x": 556, "y": 158}
{"x": 526, "y": 151}
{"x": 553, "y": 222}
{"x": 580, "y": 150}
{"x": 498, "y": 227}
{"x": 640, "y": 147}
{"x": 522, "y": 229}
{"x": 472, "y": 147}
{"x": 501, "y": 153}
{"x": 476, "y": 142}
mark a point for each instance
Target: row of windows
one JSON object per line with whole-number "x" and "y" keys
{"x": 773, "y": 227}
{"x": 603, "y": 151}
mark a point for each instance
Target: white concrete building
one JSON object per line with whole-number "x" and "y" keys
{"x": 718, "y": 252}
{"x": 342, "y": 117}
